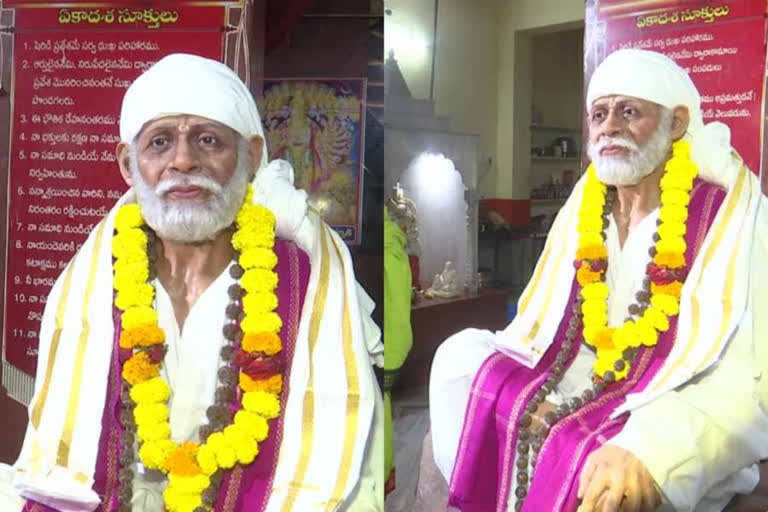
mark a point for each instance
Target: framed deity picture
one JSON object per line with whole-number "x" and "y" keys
{"x": 318, "y": 126}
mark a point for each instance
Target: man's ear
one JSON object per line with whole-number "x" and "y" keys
{"x": 123, "y": 153}
{"x": 255, "y": 152}
{"x": 680, "y": 120}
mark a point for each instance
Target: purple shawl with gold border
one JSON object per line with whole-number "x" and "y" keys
{"x": 242, "y": 489}
{"x": 482, "y": 475}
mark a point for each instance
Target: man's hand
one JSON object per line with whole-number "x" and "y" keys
{"x": 614, "y": 480}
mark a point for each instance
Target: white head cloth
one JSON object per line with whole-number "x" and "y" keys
{"x": 711, "y": 298}
{"x": 646, "y": 75}
{"x": 654, "y": 77}
{"x": 331, "y": 380}
{"x": 181, "y": 83}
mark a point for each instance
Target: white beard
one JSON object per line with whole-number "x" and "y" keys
{"x": 630, "y": 170}
{"x": 192, "y": 220}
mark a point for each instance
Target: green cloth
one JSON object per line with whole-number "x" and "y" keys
{"x": 398, "y": 337}
{"x": 397, "y": 296}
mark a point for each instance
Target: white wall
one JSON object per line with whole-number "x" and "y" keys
{"x": 519, "y": 22}
{"x": 484, "y": 70}
{"x": 408, "y": 31}
{"x": 465, "y": 62}
{"x": 537, "y": 14}
{"x": 465, "y": 71}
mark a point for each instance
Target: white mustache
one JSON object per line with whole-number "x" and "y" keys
{"x": 203, "y": 182}
{"x": 616, "y": 141}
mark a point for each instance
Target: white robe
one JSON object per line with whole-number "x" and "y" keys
{"x": 333, "y": 389}
{"x": 683, "y": 437}
{"x": 190, "y": 367}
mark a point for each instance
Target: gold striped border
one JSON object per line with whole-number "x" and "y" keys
{"x": 308, "y": 415}
{"x": 353, "y": 397}
{"x": 708, "y": 255}
{"x": 475, "y": 396}
{"x": 37, "y": 410}
{"x": 534, "y": 282}
{"x": 727, "y": 304}
{"x": 553, "y": 282}
{"x": 65, "y": 442}
{"x": 530, "y": 290}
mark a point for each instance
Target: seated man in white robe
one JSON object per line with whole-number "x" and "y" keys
{"x": 208, "y": 348}
{"x": 634, "y": 376}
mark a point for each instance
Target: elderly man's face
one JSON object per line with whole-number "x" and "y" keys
{"x": 623, "y": 116}
{"x": 175, "y": 146}
{"x": 628, "y": 138}
{"x": 190, "y": 175}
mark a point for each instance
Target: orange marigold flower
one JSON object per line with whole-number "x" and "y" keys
{"x": 585, "y": 275}
{"x": 674, "y": 288}
{"x": 604, "y": 339}
{"x": 139, "y": 368}
{"x": 267, "y": 342}
{"x": 592, "y": 252}
{"x": 273, "y": 384}
{"x": 141, "y": 336}
{"x": 183, "y": 460}
{"x": 669, "y": 259}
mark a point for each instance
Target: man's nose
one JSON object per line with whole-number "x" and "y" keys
{"x": 185, "y": 157}
{"x": 613, "y": 124}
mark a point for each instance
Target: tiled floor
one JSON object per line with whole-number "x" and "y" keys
{"x": 419, "y": 486}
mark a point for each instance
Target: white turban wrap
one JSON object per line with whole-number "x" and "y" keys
{"x": 654, "y": 77}
{"x": 181, "y": 83}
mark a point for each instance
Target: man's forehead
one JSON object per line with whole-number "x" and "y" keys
{"x": 183, "y": 122}
{"x": 617, "y": 99}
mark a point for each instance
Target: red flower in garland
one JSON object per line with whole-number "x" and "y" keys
{"x": 599, "y": 265}
{"x": 257, "y": 368}
{"x": 156, "y": 353}
{"x": 594, "y": 265}
{"x": 663, "y": 275}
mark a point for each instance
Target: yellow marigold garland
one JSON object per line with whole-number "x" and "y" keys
{"x": 141, "y": 336}
{"x": 262, "y": 403}
{"x": 182, "y": 461}
{"x": 271, "y": 385}
{"x": 139, "y": 368}
{"x": 266, "y": 342}
{"x": 189, "y": 465}
{"x": 591, "y": 262}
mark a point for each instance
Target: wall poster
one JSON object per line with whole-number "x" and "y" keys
{"x": 318, "y": 126}
{"x": 720, "y": 43}
{"x": 66, "y": 69}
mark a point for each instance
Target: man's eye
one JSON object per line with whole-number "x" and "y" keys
{"x": 598, "y": 116}
{"x": 208, "y": 140}
{"x": 630, "y": 112}
{"x": 159, "y": 142}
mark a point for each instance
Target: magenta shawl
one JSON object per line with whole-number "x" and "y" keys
{"x": 242, "y": 489}
{"x": 482, "y": 474}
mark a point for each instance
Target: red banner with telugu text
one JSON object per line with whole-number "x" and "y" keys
{"x": 71, "y": 66}
{"x": 721, "y": 44}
